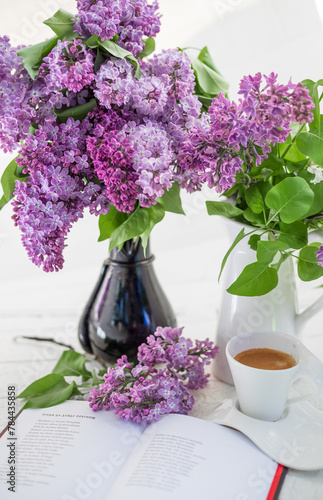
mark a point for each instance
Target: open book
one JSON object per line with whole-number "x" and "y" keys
{"x": 68, "y": 452}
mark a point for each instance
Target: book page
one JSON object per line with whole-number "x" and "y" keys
{"x": 184, "y": 457}
{"x": 66, "y": 452}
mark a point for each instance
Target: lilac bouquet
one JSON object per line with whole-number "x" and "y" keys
{"x": 99, "y": 125}
{"x": 145, "y": 391}
{"x": 96, "y": 125}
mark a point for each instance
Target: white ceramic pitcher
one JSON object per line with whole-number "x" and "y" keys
{"x": 275, "y": 311}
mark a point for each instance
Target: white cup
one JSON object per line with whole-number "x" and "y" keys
{"x": 263, "y": 394}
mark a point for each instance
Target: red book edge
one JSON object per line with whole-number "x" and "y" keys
{"x": 277, "y": 483}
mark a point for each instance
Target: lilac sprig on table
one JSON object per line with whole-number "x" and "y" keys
{"x": 146, "y": 391}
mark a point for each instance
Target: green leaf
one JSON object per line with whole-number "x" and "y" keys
{"x": 211, "y": 82}
{"x": 135, "y": 225}
{"x": 254, "y": 199}
{"x": 296, "y": 166}
{"x": 33, "y": 55}
{"x": 294, "y": 235}
{"x": 92, "y": 42}
{"x": 99, "y": 60}
{"x": 56, "y": 395}
{"x": 290, "y": 152}
{"x": 207, "y": 101}
{"x": 171, "y": 200}
{"x": 311, "y": 145}
{"x": 308, "y": 268}
{"x": 61, "y": 23}
{"x": 72, "y": 363}
{"x": 320, "y": 130}
{"x": 41, "y": 385}
{"x": 8, "y": 180}
{"x": 223, "y": 208}
{"x": 110, "y": 222}
{"x": 3, "y": 202}
{"x": 32, "y": 129}
{"x": 96, "y": 380}
{"x": 255, "y": 219}
{"x": 264, "y": 188}
{"x": 253, "y": 241}
{"x": 256, "y": 279}
{"x": 291, "y": 198}
{"x": 266, "y": 173}
{"x": 9, "y": 177}
{"x": 266, "y": 250}
{"x": 78, "y": 112}
{"x": 156, "y": 213}
{"x": 206, "y": 58}
{"x": 317, "y": 204}
{"x": 149, "y": 48}
{"x": 236, "y": 240}
{"x": 313, "y": 91}
{"x": 48, "y": 391}
{"x": 115, "y": 50}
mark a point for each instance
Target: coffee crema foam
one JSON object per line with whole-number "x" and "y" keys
{"x": 266, "y": 359}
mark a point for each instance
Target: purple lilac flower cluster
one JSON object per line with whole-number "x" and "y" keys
{"x": 163, "y": 94}
{"x": 241, "y": 133}
{"x": 114, "y": 82}
{"x": 57, "y": 190}
{"x": 110, "y": 155}
{"x": 134, "y": 163}
{"x": 69, "y": 65}
{"x": 128, "y": 20}
{"x": 16, "y": 114}
{"x": 23, "y": 101}
{"x": 182, "y": 109}
{"x": 152, "y": 160}
{"x": 144, "y": 392}
{"x": 159, "y": 109}
{"x": 122, "y": 154}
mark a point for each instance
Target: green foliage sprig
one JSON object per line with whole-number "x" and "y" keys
{"x": 280, "y": 204}
{"x": 53, "y": 389}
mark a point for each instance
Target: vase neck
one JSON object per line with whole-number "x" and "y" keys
{"x": 131, "y": 252}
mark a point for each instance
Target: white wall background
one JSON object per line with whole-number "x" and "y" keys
{"x": 243, "y": 36}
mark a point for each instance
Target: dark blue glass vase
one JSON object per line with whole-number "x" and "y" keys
{"x": 126, "y": 305}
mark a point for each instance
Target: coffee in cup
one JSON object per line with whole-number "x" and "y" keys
{"x": 266, "y": 359}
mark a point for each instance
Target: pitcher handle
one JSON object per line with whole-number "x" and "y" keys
{"x": 308, "y": 313}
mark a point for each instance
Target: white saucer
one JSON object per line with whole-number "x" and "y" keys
{"x": 296, "y": 439}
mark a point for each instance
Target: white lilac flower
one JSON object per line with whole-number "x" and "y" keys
{"x": 317, "y": 171}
